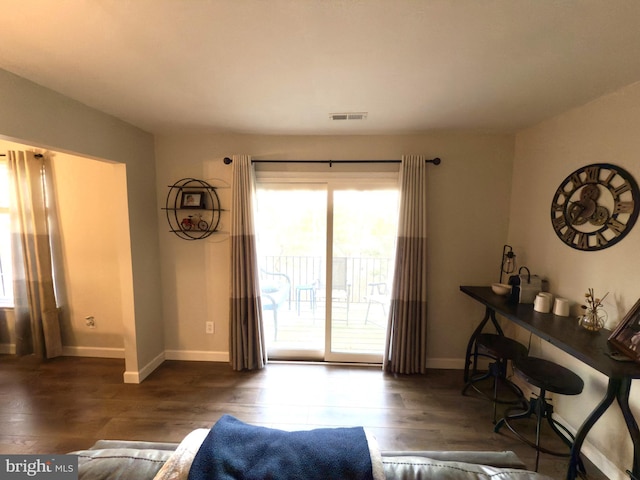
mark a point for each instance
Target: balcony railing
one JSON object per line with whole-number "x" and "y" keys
{"x": 358, "y": 320}
{"x": 361, "y": 272}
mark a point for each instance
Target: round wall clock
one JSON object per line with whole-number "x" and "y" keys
{"x": 595, "y": 207}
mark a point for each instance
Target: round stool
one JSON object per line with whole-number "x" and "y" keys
{"x": 501, "y": 349}
{"x": 548, "y": 377}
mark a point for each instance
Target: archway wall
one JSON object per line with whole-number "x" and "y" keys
{"x": 37, "y": 116}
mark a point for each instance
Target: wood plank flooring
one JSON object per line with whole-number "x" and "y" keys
{"x": 68, "y": 403}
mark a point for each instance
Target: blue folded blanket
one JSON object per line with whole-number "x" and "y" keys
{"x": 234, "y": 450}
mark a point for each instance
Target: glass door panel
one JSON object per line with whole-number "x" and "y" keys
{"x": 291, "y": 238}
{"x": 363, "y": 226}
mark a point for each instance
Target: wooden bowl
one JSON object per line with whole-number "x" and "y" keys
{"x": 501, "y": 288}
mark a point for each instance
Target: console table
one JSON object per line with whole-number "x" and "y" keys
{"x": 591, "y": 348}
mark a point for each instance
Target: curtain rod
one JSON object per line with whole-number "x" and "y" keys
{"x": 435, "y": 161}
{"x": 37, "y": 155}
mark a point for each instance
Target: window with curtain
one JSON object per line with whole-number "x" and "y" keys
{"x": 6, "y": 279}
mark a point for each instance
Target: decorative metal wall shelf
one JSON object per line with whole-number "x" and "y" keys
{"x": 193, "y": 209}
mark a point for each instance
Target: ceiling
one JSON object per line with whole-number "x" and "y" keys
{"x": 282, "y": 66}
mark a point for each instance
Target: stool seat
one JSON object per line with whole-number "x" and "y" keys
{"x": 500, "y": 346}
{"x": 548, "y": 376}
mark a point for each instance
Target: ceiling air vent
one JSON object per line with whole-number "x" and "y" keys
{"x": 348, "y": 116}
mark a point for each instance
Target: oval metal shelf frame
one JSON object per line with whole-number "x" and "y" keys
{"x": 211, "y": 205}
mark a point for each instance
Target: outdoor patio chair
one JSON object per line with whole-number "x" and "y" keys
{"x": 378, "y": 295}
{"x": 275, "y": 289}
{"x": 341, "y": 287}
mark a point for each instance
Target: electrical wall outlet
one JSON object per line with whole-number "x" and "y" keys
{"x": 90, "y": 321}
{"x": 209, "y": 327}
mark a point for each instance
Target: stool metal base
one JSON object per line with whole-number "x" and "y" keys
{"x": 541, "y": 409}
{"x": 497, "y": 370}
{"x": 500, "y": 349}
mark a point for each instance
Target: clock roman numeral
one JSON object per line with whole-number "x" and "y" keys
{"x": 559, "y": 222}
{"x": 583, "y": 241}
{"x": 607, "y": 181}
{"x": 623, "y": 207}
{"x": 616, "y": 226}
{"x": 625, "y": 187}
{"x": 569, "y": 235}
{"x": 593, "y": 174}
{"x": 600, "y": 240}
{"x": 561, "y": 194}
{"x": 576, "y": 180}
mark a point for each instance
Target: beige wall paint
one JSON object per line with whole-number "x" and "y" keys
{"x": 605, "y": 130}
{"x": 468, "y": 217}
{"x": 89, "y": 226}
{"x": 41, "y": 118}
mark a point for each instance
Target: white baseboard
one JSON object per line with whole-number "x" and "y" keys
{"x": 197, "y": 355}
{"x": 144, "y": 372}
{"x": 445, "y": 363}
{"x": 192, "y": 355}
{"x": 99, "y": 352}
{"x": 131, "y": 377}
{"x": 186, "y": 355}
{"x": 605, "y": 465}
{"x": 595, "y": 456}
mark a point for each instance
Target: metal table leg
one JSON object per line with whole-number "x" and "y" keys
{"x": 613, "y": 389}
{"x": 489, "y": 314}
{"x": 622, "y": 395}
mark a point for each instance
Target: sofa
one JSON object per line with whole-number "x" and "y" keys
{"x": 118, "y": 460}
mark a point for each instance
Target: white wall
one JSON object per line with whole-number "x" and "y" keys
{"x": 603, "y": 131}
{"x": 468, "y": 218}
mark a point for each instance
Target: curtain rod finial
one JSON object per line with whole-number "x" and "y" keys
{"x": 227, "y": 160}
{"x": 436, "y": 161}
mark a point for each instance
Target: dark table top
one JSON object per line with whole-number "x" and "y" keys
{"x": 591, "y": 348}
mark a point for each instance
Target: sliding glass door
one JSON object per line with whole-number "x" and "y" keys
{"x": 333, "y": 310}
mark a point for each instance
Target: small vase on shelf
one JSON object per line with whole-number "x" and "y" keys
{"x": 594, "y": 317}
{"x": 593, "y": 320}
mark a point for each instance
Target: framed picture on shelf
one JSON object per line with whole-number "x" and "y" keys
{"x": 626, "y": 336}
{"x": 192, "y": 199}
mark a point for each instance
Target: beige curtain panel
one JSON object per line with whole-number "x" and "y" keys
{"x": 36, "y": 311}
{"x": 405, "y": 349}
{"x": 247, "y": 345}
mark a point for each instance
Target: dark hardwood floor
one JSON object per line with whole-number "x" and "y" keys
{"x": 68, "y": 403}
